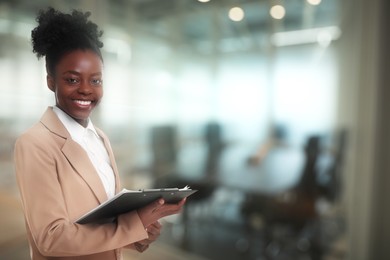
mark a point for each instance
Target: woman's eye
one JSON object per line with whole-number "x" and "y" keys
{"x": 72, "y": 81}
{"x": 96, "y": 81}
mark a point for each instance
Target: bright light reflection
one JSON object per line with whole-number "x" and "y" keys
{"x": 324, "y": 39}
{"x": 277, "y": 12}
{"x": 323, "y": 36}
{"x": 204, "y": 1}
{"x": 314, "y": 2}
{"x": 236, "y": 14}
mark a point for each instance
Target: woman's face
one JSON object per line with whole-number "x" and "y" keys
{"x": 77, "y": 84}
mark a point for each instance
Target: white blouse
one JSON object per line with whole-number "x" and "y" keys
{"x": 89, "y": 139}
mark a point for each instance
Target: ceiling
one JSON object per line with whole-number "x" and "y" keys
{"x": 194, "y": 22}
{"x": 205, "y": 27}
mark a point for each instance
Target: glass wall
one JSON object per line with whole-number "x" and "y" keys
{"x": 239, "y": 97}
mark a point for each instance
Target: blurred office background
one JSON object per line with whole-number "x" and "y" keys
{"x": 276, "y": 110}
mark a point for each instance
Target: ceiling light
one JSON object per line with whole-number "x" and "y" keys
{"x": 314, "y": 2}
{"x": 277, "y": 12}
{"x": 236, "y": 14}
{"x": 204, "y": 1}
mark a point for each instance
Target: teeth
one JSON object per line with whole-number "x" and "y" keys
{"x": 83, "y": 102}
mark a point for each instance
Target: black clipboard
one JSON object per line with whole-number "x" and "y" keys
{"x": 128, "y": 200}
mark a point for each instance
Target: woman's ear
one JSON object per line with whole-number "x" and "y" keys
{"x": 50, "y": 82}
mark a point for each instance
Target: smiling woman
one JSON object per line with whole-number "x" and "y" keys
{"x": 74, "y": 63}
{"x": 64, "y": 164}
{"x": 77, "y": 84}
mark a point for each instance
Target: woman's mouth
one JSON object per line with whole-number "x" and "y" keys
{"x": 83, "y": 103}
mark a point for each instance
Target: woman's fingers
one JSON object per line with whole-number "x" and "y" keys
{"x": 156, "y": 226}
{"x": 153, "y": 232}
{"x": 159, "y": 209}
{"x": 150, "y": 215}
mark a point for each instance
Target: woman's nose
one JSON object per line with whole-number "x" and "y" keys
{"x": 85, "y": 88}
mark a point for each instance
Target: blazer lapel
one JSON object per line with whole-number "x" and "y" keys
{"x": 83, "y": 165}
{"x": 76, "y": 155}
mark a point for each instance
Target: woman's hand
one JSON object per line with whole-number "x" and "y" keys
{"x": 158, "y": 209}
{"x": 154, "y": 231}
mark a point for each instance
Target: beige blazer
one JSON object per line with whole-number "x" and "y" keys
{"x": 58, "y": 184}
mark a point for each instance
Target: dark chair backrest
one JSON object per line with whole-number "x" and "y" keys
{"x": 214, "y": 147}
{"x": 308, "y": 182}
{"x": 164, "y": 149}
{"x": 334, "y": 186}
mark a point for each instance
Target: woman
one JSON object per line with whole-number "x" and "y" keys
{"x": 64, "y": 165}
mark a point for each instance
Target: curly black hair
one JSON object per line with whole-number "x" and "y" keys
{"x": 58, "y": 33}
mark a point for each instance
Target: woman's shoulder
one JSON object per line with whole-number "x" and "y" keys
{"x": 48, "y": 126}
{"x": 37, "y": 134}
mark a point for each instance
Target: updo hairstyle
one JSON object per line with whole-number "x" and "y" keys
{"x": 58, "y": 33}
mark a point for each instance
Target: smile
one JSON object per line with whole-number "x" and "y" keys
{"x": 83, "y": 102}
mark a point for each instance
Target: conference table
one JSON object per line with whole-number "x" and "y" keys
{"x": 280, "y": 169}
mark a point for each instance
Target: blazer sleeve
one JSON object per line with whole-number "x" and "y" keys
{"x": 45, "y": 211}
